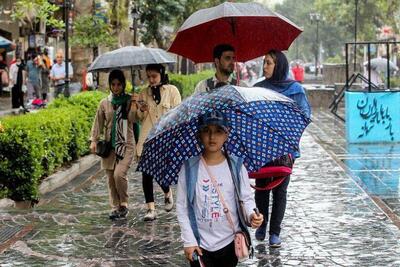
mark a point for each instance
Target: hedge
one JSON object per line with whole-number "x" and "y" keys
{"x": 187, "y": 83}
{"x": 34, "y": 145}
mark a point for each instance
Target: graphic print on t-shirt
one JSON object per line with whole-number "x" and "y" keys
{"x": 212, "y": 210}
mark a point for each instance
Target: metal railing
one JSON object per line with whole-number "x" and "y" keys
{"x": 350, "y": 79}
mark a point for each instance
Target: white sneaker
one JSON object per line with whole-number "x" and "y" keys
{"x": 150, "y": 215}
{"x": 169, "y": 202}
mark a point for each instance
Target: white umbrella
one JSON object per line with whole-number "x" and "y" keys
{"x": 380, "y": 64}
{"x": 131, "y": 57}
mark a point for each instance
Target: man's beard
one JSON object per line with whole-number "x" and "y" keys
{"x": 226, "y": 71}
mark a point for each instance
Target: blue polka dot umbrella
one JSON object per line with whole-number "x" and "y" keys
{"x": 264, "y": 125}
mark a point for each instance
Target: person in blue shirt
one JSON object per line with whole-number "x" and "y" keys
{"x": 276, "y": 70}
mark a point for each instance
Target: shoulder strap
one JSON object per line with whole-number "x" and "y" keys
{"x": 243, "y": 222}
{"x": 209, "y": 84}
{"x": 236, "y": 175}
{"x": 190, "y": 183}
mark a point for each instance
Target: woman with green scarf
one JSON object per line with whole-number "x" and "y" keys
{"x": 114, "y": 119}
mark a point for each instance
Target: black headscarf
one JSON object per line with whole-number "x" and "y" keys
{"x": 155, "y": 90}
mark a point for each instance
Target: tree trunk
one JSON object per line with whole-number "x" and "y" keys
{"x": 159, "y": 40}
{"x": 81, "y": 57}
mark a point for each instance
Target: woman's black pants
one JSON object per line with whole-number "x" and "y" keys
{"x": 147, "y": 183}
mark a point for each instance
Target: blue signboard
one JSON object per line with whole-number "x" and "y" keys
{"x": 372, "y": 117}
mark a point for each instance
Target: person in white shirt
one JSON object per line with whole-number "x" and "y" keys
{"x": 206, "y": 229}
{"x": 224, "y": 62}
{"x": 57, "y": 75}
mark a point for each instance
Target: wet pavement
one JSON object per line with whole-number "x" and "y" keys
{"x": 330, "y": 221}
{"x": 375, "y": 167}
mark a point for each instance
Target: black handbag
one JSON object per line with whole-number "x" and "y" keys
{"x": 103, "y": 148}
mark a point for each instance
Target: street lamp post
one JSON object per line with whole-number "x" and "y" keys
{"x": 135, "y": 16}
{"x": 355, "y": 33}
{"x": 316, "y": 17}
{"x": 67, "y": 6}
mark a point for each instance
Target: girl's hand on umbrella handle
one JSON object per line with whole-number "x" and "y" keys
{"x": 143, "y": 106}
{"x": 134, "y": 101}
{"x": 93, "y": 146}
{"x": 256, "y": 220}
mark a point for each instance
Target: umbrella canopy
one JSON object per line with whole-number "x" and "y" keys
{"x": 263, "y": 126}
{"x": 249, "y": 27}
{"x": 130, "y": 57}
{"x": 380, "y": 64}
{"x": 6, "y": 45}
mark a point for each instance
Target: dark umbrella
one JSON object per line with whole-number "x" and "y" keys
{"x": 264, "y": 125}
{"x": 130, "y": 57}
{"x": 250, "y": 27}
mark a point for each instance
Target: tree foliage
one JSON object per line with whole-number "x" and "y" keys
{"x": 118, "y": 15}
{"x": 192, "y": 6}
{"x": 91, "y": 32}
{"x": 161, "y": 18}
{"x": 337, "y": 24}
{"x": 33, "y": 11}
{"x": 157, "y": 19}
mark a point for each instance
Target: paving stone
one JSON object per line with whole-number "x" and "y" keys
{"x": 330, "y": 221}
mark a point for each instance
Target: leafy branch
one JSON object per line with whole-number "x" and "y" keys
{"x": 33, "y": 11}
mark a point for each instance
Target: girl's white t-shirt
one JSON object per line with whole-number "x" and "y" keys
{"x": 214, "y": 228}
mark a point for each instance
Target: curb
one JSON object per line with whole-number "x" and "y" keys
{"x": 60, "y": 178}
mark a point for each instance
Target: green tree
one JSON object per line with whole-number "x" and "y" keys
{"x": 91, "y": 32}
{"x": 32, "y": 12}
{"x": 118, "y": 15}
{"x": 192, "y": 6}
{"x": 336, "y": 26}
{"x": 161, "y": 18}
{"x": 157, "y": 19}
{"x": 299, "y": 13}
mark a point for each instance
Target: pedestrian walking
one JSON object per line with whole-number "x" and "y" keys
{"x": 114, "y": 119}
{"x": 157, "y": 99}
{"x": 207, "y": 205}
{"x": 45, "y": 63}
{"x": 298, "y": 73}
{"x": 18, "y": 82}
{"x": 57, "y": 74}
{"x": 4, "y": 79}
{"x": 276, "y": 70}
{"x": 34, "y": 77}
{"x": 224, "y": 62}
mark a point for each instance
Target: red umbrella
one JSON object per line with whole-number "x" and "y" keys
{"x": 249, "y": 27}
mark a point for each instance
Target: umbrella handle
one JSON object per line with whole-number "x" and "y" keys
{"x": 237, "y": 73}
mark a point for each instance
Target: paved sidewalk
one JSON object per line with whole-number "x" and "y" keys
{"x": 375, "y": 167}
{"x": 330, "y": 221}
